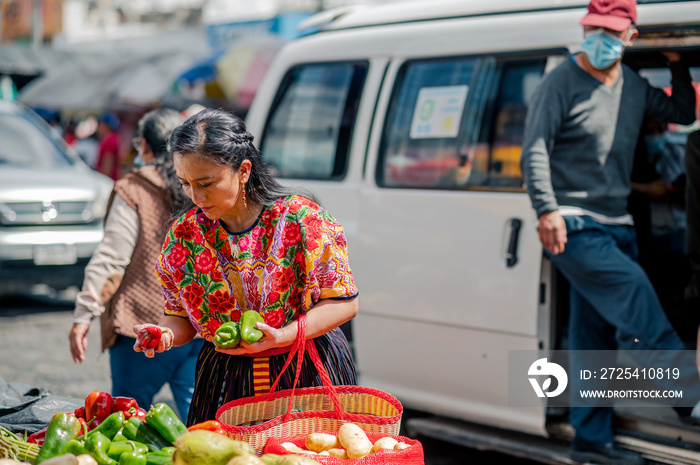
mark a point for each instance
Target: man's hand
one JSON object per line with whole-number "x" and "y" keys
{"x": 78, "y": 341}
{"x": 552, "y": 231}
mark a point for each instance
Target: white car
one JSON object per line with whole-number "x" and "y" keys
{"x": 51, "y": 205}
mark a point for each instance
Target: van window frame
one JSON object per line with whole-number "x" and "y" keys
{"x": 396, "y": 88}
{"x": 345, "y": 135}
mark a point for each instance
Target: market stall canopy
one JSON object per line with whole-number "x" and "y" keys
{"x": 133, "y": 81}
{"x": 243, "y": 66}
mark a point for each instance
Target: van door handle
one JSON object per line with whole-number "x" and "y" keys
{"x": 512, "y": 253}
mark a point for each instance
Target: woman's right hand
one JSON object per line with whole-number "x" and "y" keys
{"x": 164, "y": 343}
{"x": 78, "y": 341}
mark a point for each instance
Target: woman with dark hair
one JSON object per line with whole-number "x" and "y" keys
{"x": 120, "y": 286}
{"x": 249, "y": 244}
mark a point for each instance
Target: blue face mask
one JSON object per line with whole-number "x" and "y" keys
{"x": 138, "y": 161}
{"x": 602, "y": 48}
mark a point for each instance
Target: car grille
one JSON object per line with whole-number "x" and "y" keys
{"x": 33, "y": 213}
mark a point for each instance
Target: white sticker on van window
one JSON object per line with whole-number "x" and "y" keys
{"x": 438, "y": 112}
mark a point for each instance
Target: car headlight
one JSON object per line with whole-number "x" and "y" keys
{"x": 7, "y": 215}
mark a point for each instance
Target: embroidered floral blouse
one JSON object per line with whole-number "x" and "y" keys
{"x": 292, "y": 257}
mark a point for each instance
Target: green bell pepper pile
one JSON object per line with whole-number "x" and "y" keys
{"x": 116, "y": 441}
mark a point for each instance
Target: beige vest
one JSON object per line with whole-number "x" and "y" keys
{"x": 136, "y": 297}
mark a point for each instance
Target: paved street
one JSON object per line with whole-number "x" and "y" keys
{"x": 34, "y": 350}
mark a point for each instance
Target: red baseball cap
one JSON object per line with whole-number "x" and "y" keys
{"x": 612, "y": 14}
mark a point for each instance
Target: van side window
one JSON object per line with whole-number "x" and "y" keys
{"x": 308, "y": 132}
{"x": 504, "y": 138}
{"x": 457, "y": 123}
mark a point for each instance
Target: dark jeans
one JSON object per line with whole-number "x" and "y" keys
{"x": 135, "y": 375}
{"x": 613, "y": 305}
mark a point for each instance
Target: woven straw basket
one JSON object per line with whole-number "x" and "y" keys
{"x": 291, "y": 412}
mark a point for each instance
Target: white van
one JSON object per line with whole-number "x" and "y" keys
{"x": 406, "y": 120}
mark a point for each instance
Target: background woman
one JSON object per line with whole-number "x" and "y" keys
{"x": 119, "y": 281}
{"x": 250, "y": 245}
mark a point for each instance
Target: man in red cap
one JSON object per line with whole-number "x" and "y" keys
{"x": 581, "y": 131}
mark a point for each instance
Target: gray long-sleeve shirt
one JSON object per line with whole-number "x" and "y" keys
{"x": 580, "y": 135}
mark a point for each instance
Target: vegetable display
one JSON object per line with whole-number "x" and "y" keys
{"x": 160, "y": 438}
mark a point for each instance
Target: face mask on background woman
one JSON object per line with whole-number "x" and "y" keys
{"x": 602, "y": 48}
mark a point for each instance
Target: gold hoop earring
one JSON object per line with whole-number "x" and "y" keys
{"x": 245, "y": 205}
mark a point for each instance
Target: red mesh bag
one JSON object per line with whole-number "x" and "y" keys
{"x": 410, "y": 456}
{"x": 292, "y": 412}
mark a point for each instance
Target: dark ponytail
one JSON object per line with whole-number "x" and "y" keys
{"x": 155, "y": 128}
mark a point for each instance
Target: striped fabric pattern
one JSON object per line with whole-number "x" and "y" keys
{"x": 261, "y": 375}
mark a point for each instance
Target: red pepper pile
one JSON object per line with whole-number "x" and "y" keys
{"x": 98, "y": 406}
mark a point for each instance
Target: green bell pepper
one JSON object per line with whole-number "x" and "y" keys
{"x": 137, "y": 430}
{"x": 159, "y": 458}
{"x": 163, "y": 419}
{"x": 74, "y": 447}
{"x": 132, "y": 458}
{"x": 116, "y": 449}
{"x": 228, "y": 335}
{"x": 110, "y": 426}
{"x": 62, "y": 429}
{"x": 97, "y": 445}
{"x": 249, "y": 333}
{"x": 119, "y": 437}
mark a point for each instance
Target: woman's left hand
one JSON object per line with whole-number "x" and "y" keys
{"x": 272, "y": 339}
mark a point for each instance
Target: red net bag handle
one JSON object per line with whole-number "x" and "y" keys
{"x": 299, "y": 346}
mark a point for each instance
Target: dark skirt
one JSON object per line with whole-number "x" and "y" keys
{"x": 221, "y": 378}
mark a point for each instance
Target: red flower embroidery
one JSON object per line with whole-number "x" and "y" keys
{"x": 291, "y": 234}
{"x": 243, "y": 243}
{"x": 272, "y": 297}
{"x": 295, "y": 299}
{"x": 204, "y": 262}
{"x": 193, "y": 296}
{"x": 282, "y": 280}
{"x": 178, "y": 255}
{"x": 221, "y": 302}
{"x": 294, "y": 206}
{"x": 236, "y": 315}
{"x": 211, "y": 236}
{"x": 177, "y": 276}
{"x": 255, "y": 246}
{"x": 185, "y": 231}
{"x": 217, "y": 275}
{"x": 314, "y": 227}
{"x": 299, "y": 258}
{"x": 274, "y": 318}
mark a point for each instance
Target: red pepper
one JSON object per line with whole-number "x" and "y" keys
{"x": 149, "y": 337}
{"x": 127, "y": 405}
{"x": 209, "y": 425}
{"x": 140, "y": 414}
{"x": 98, "y": 406}
{"x": 79, "y": 412}
{"x": 38, "y": 437}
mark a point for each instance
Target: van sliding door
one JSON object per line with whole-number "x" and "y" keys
{"x": 448, "y": 259}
